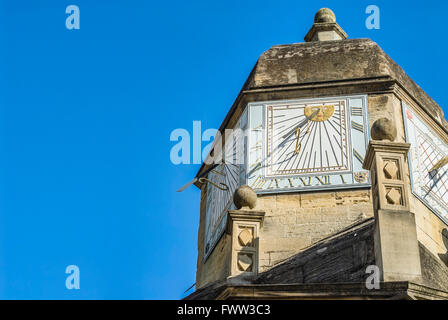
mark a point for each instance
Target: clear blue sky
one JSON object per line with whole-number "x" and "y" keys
{"x": 86, "y": 115}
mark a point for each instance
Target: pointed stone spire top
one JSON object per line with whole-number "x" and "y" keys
{"x": 325, "y": 27}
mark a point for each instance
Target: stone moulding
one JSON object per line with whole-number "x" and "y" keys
{"x": 322, "y": 27}
{"x": 383, "y": 146}
{"x": 388, "y": 290}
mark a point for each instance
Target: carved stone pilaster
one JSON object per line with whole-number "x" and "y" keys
{"x": 396, "y": 245}
{"x": 244, "y": 227}
{"x": 386, "y": 161}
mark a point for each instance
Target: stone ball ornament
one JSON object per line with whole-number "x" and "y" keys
{"x": 245, "y": 196}
{"x": 325, "y": 15}
{"x": 384, "y": 129}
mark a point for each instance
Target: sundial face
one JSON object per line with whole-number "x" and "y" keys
{"x": 221, "y": 185}
{"x": 219, "y": 201}
{"x": 319, "y": 145}
{"x": 300, "y": 145}
{"x": 428, "y": 170}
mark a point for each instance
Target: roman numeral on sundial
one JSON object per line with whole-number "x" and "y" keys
{"x": 358, "y": 156}
{"x": 357, "y": 111}
{"x": 257, "y": 145}
{"x": 306, "y": 181}
{"x": 357, "y": 126}
{"x": 272, "y": 182}
{"x": 325, "y": 180}
{"x": 259, "y": 183}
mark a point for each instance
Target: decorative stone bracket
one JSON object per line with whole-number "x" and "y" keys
{"x": 244, "y": 228}
{"x": 390, "y": 186}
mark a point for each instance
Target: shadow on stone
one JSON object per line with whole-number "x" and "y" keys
{"x": 444, "y": 256}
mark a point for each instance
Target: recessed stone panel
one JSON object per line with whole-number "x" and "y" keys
{"x": 245, "y": 237}
{"x": 245, "y": 262}
{"x": 394, "y": 196}
{"x": 391, "y": 170}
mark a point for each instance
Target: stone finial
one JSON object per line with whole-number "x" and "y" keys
{"x": 325, "y": 15}
{"x": 245, "y": 196}
{"x": 384, "y": 129}
{"x": 325, "y": 27}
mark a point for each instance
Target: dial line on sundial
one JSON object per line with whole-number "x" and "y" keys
{"x": 431, "y": 189}
{"x": 435, "y": 182}
{"x": 301, "y": 154}
{"x": 301, "y": 124}
{"x": 286, "y": 148}
{"x": 281, "y": 132}
{"x": 343, "y": 134}
{"x": 304, "y": 148}
{"x": 234, "y": 181}
{"x": 332, "y": 148}
{"x": 290, "y": 119}
{"x": 432, "y": 152}
{"x": 343, "y": 153}
{"x": 291, "y": 138}
{"x": 232, "y": 176}
{"x": 286, "y": 136}
{"x": 338, "y": 143}
{"x": 333, "y": 125}
{"x": 336, "y": 117}
{"x": 312, "y": 144}
{"x": 431, "y": 164}
{"x": 282, "y": 126}
{"x": 283, "y": 153}
{"x": 320, "y": 136}
{"x": 293, "y": 154}
{"x": 328, "y": 160}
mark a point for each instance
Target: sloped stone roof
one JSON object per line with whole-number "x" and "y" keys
{"x": 328, "y": 61}
{"x": 335, "y": 266}
{"x": 341, "y": 258}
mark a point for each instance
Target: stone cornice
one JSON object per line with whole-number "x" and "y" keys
{"x": 383, "y": 146}
{"x": 244, "y": 215}
{"x": 319, "y": 27}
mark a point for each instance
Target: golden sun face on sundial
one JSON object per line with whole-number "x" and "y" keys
{"x": 323, "y": 113}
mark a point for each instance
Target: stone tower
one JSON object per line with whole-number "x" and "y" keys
{"x": 341, "y": 188}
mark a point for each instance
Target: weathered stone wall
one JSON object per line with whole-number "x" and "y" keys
{"x": 217, "y": 266}
{"x": 201, "y": 235}
{"x": 434, "y": 272}
{"x": 294, "y": 222}
{"x": 339, "y": 259}
{"x": 430, "y": 231}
